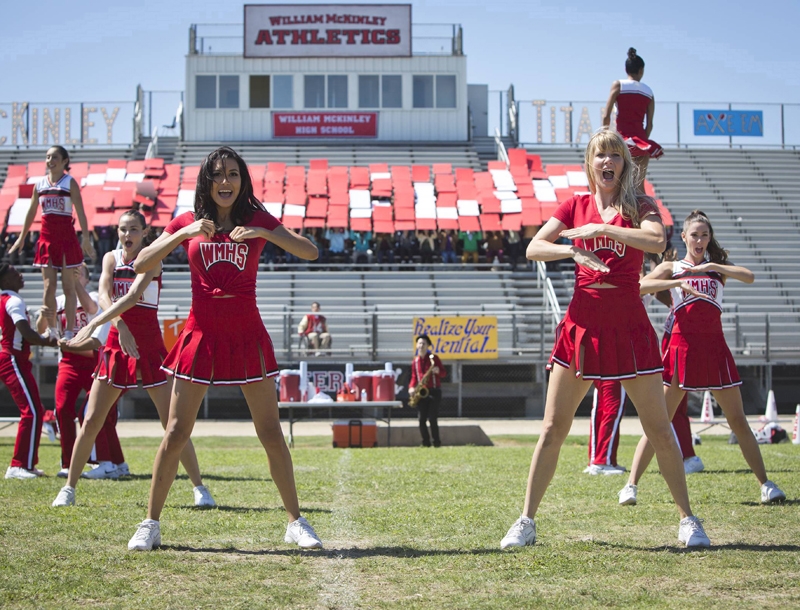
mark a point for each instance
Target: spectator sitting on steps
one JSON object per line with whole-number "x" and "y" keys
{"x": 314, "y": 327}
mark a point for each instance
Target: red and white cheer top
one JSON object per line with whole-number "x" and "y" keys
{"x": 55, "y": 198}
{"x": 624, "y": 262}
{"x": 697, "y": 314}
{"x": 222, "y": 267}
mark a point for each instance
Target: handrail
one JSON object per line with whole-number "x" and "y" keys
{"x": 502, "y": 155}
{"x": 550, "y": 299}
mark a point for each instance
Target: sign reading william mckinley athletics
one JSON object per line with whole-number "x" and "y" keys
{"x": 327, "y": 30}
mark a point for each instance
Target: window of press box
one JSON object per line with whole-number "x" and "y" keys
{"x": 337, "y": 91}
{"x": 369, "y": 94}
{"x": 259, "y": 91}
{"x": 314, "y": 91}
{"x": 205, "y": 91}
{"x": 445, "y": 91}
{"x": 229, "y": 91}
{"x": 392, "y": 91}
{"x": 423, "y": 90}
{"x": 283, "y": 91}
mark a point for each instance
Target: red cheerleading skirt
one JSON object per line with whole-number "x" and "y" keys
{"x": 58, "y": 244}
{"x": 224, "y": 342}
{"x": 642, "y": 147}
{"x": 703, "y": 362}
{"x": 119, "y": 370}
{"x": 616, "y": 335}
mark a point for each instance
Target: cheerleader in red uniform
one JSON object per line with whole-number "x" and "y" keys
{"x": 76, "y": 363}
{"x": 697, "y": 357}
{"x": 635, "y": 108}
{"x": 134, "y": 345}
{"x": 16, "y": 372}
{"x": 606, "y": 333}
{"x": 58, "y": 248}
{"x": 224, "y": 340}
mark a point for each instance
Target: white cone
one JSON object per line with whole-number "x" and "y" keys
{"x": 707, "y": 413}
{"x": 796, "y": 432}
{"x": 771, "y": 413}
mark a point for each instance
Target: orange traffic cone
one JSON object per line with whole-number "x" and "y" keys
{"x": 707, "y": 413}
{"x": 771, "y": 414}
{"x": 796, "y": 432}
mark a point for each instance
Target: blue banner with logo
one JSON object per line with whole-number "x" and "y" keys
{"x": 728, "y": 123}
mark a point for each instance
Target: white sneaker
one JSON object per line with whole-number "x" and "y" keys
{"x": 605, "y": 469}
{"x": 769, "y": 493}
{"x": 691, "y": 533}
{"x": 63, "y": 473}
{"x": 202, "y": 497}
{"x": 627, "y": 495}
{"x": 123, "y": 470}
{"x": 103, "y": 470}
{"x": 692, "y": 465}
{"x": 17, "y": 472}
{"x": 522, "y": 533}
{"x": 147, "y": 536}
{"x": 301, "y": 533}
{"x": 65, "y": 497}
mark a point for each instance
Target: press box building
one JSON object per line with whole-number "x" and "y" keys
{"x": 329, "y": 72}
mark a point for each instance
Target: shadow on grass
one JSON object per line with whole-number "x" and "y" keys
{"x": 352, "y": 553}
{"x": 781, "y": 503}
{"x": 183, "y": 477}
{"x": 264, "y": 509}
{"x": 757, "y": 548}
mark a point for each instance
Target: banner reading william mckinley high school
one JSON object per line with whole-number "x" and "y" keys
{"x": 460, "y": 337}
{"x": 327, "y": 30}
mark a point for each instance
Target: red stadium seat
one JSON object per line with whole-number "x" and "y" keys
{"x": 381, "y": 188}
{"x": 445, "y": 224}
{"x": 359, "y": 178}
{"x": 512, "y": 222}
{"x": 490, "y": 222}
{"x": 317, "y": 207}
{"x": 496, "y": 165}
{"x": 468, "y": 223}
{"x": 518, "y": 157}
{"x": 446, "y": 200}
{"x": 378, "y": 168}
{"x": 401, "y": 213}
{"x": 361, "y": 224}
{"x": 117, "y": 163}
{"x": 382, "y": 212}
{"x": 292, "y": 222}
{"x": 421, "y": 173}
{"x": 16, "y": 170}
{"x": 444, "y": 183}
{"x": 442, "y": 168}
{"x": 321, "y": 164}
{"x": 37, "y": 168}
{"x": 426, "y": 224}
{"x": 383, "y": 226}
{"x": 310, "y": 223}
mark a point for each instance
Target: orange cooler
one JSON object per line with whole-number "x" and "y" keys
{"x": 355, "y": 433}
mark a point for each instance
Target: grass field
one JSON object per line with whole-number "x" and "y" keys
{"x": 403, "y": 528}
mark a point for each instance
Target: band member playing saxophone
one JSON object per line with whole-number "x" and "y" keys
{"x": 425, "y": 389}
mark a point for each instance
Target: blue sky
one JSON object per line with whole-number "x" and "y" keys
{"x": 715, "y": 51}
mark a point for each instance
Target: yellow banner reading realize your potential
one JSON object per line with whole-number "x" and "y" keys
{"x": 460, "y": 337}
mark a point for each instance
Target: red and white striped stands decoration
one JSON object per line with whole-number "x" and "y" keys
{"x": 378, "y": 198}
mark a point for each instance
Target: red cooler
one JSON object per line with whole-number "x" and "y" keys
{"x": 382, "y": 386}
{"x": 290, "y": 386}
{"x": 362, "y": 380}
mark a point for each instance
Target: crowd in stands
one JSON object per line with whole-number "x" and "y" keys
{"x": 343, "y": 247}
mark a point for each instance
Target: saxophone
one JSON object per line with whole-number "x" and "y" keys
{"x": 421, "y": 389}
